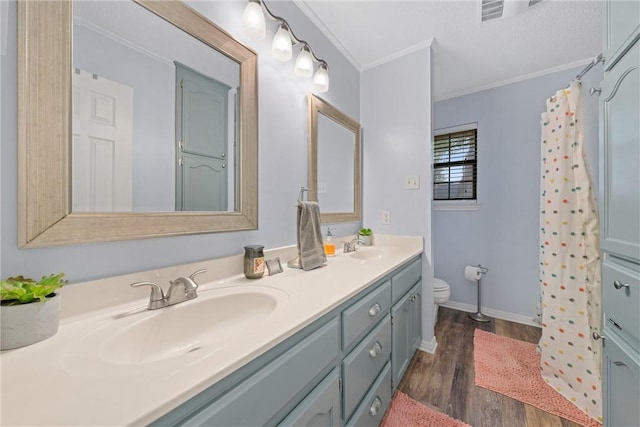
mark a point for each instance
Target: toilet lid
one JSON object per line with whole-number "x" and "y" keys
{"x": 439, "y": 284}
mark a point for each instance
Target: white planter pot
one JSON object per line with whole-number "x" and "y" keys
{"x": 368, "y": 240}
{"x": 25, "y": 324}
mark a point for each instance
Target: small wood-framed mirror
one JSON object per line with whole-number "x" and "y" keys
{"x": 334, "y": 162}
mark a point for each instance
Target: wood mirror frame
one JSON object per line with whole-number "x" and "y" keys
{"x": 44, "y": 135}
{"x": 317, "y": 106}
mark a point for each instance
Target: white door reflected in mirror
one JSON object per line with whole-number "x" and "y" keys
{"x": 102, "y": 144}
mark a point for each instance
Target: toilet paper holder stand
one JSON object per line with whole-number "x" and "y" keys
{"x": 478, "y": 316}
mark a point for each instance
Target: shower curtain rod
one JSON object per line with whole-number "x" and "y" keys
{"x": 592, "y": 64}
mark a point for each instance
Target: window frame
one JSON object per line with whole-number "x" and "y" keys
{"x": 449, "y": 203}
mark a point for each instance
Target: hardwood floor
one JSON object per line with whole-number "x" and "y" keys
{"x": 445, "y": 381}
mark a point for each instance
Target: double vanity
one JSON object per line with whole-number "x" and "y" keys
{"x": 326, "y": 346}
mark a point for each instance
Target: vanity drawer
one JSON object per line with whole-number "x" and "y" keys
{"x": 375, "y": 404}
{"x": 405, "y": 279}
{"x": 364, "y": 313}
{"x": 621, "y": 299}
{"x": 257, "y": 400}
{"x": 364, "y": 363}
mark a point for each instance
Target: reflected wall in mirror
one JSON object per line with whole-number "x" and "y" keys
{"x": 334, "y": 162}
{"x": 49, "y": 214}
{"x": 153, "y": 124}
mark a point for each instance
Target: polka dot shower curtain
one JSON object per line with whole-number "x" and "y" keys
{"x": 569, "y": 258}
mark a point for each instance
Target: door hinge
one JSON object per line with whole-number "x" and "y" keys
{"x": 181, "y": 162}
{"x": 181, "y": 145}
{"x": 181, "y": 83}
{"x": 340, "y": 384}
{"x": 392, "y": 320}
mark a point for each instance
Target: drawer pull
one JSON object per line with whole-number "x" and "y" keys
{"x": 375, "y": 310}
{"x": 619, "y": 285}
{"x": 617, "y": 363}
{"x": 375, "y": 407}
{"x": 375, "y": 350}
{"x": 596, "y": 336}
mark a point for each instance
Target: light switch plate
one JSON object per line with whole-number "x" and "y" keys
{"x": 412, "y": 182}
{"x": 323, "y": 188}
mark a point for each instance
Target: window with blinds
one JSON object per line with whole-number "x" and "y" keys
{"x": 455, "y": 167}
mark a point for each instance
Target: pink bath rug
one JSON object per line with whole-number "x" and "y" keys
{"x": 405, "y": 412}
{"x": 512, "y": 367}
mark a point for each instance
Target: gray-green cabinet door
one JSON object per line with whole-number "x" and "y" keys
{"x": 415, "y": 332}
{"x": 204, "y": 183}
{"x": 400, "y": 338}
{"x": 621, "y": 377}
{"x": 321, "y": 408}
{"x": 621, "y": 24}
{"x": 620, "y": 157}
{"x": 202, "y": 129}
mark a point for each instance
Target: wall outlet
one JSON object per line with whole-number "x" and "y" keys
{"x": 323, "y": 188}
{"x": 386, "y": 217}
{"x": 412, "y": 182}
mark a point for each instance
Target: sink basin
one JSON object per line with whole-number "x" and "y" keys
{"x": 368, "y": 253}
{"x": 208, "y": 323}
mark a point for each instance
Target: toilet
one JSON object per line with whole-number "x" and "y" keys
{"x": 441, "y": 291}
{"x": 441, "y": 294}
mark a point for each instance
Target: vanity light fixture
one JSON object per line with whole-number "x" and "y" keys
{"x": 254, "y": 26}
{"x": 253, "y": 22}
{"x": 281, "y": 48}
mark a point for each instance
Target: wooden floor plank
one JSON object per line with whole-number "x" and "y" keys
{"x": 445, "y": 381}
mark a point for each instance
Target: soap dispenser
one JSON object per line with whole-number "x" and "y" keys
{"x": 329, "y": 244}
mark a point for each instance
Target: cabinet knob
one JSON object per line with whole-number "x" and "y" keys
{"x": 375, "y": 310}
{"x": 596, "y": 336}
{"x": 375, "y": 407}
{"x": 375, "y": 350}
{"x": 619, "y": 285}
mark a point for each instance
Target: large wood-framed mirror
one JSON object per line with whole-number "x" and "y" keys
{"x": 45, "y": 171}
{"x": 334, "y": 162}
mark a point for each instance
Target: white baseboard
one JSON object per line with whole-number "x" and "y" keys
{"x": 512, "y": 317}
{"x": 429, "y": 346}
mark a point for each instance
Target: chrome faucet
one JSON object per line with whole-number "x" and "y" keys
{"x": 351, "y": 246}
{"x": 180, "y": 290}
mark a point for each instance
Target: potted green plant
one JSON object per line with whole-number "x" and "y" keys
{"x": 29, "y": 310}
{"x": 366, "y": 235}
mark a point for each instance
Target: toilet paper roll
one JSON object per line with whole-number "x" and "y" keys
{"x": 472, "y": 273}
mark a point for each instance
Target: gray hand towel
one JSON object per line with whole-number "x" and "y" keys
{"x": 310, "y": 245}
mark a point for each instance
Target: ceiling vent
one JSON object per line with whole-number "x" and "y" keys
{"x": 498, "y": 9}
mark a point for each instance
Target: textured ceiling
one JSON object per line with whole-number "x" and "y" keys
{"x": 470, "y": 55}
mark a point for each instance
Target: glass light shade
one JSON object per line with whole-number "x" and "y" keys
{"x": 321, "y": 80}
{"x": 281, "y": 46}
{"x": 253, "y": 22}
{"x": 304, "y": 64}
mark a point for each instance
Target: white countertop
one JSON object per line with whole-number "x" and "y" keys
{"x": 64, "y": 381}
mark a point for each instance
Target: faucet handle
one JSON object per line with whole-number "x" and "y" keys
{"x": 156, "y": 291}
{"x": 195, "y": 273}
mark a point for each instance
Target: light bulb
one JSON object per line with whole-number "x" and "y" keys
{"x": 304, "y": 64}
{"x": 281, "y": 46}
{"x": 253, "y": 22}
{"x": 321, "y": 79}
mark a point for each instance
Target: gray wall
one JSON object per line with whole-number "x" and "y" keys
{"x": 396, "y": 116}
{"x": 282, "y": 162}
{"x": 503, "y": 234}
